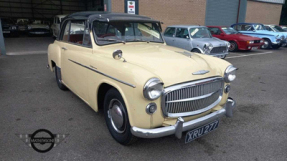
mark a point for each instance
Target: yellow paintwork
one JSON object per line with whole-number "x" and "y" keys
{"x": 144, "y": 61}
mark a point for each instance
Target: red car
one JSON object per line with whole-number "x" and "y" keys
{"x": 237, "y": 40}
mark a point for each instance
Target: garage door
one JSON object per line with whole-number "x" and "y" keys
{"x": 224, "y": 12}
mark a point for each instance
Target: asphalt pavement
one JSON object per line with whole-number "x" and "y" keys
{"x": 30, "y": 100}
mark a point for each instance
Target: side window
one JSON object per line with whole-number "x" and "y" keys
{"x": 182, "y": 33}
{"x": 246, "y": 28}
{"x": 87, "y": 38}
{"x": 214, "y": 31}
{"x": 169, "y": 32}
{"x": 77, "y": 32}
{"x": 65, "y": 33}
{"x": 268, "y": 28}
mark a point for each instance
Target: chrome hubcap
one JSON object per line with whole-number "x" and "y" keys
{"x": 116, "y": 115}
{"x": 265, "y": 44}
{"x": 232, "y": 46}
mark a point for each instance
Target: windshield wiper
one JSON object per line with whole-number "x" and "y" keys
{"x": 116, "y": 40}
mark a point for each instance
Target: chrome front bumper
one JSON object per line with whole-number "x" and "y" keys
{"x": 182, "y": 126}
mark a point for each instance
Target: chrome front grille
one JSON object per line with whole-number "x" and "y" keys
{"x": 192, "y": 98}
{"x": 221, "y": 49}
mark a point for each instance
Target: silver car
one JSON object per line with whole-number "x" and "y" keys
{"x": 196, "y": 39}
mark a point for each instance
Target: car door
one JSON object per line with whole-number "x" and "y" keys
{"x": 182, "y": 39}
{"x": 169, "y": 35}
{"x": 76, "y": 53}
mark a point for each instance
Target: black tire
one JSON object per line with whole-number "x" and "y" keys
{"x": 195, "y": 50}
{"x": 267, "y": 44}
{"x": 276, "y": 46}
{"x": 233, "y": 46}
{"x": 59, "y": 78}
{"x": 121, "y": 132}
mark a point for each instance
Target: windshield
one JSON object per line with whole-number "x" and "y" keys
{"x": 229, "y": 30}
{"x": 259, "y": 27}
{"x": 124, "y": 31}
{"x": 200, "y": 32}
{"x": 279, "y": 28}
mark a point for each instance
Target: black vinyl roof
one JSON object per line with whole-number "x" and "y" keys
{"x": 108, "y": 16}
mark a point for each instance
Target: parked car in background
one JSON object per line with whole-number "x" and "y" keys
{"x": 22, "y": 25}
{"x": 237, "y": 40}
{"x": 284, "y": 27}
{"x": 196, "y": 39}
{"x": 119, "y": 63}
{"x": 271, "y": 39}
{"x": 276, "y": 28}
{"x": 56, "y": 24}
{"x": 38, "y": 27}
{"x": 9, "y": 28}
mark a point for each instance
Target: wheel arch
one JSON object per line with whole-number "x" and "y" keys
{"x": 54, "y": 55}
{"x": 192, "y": 50}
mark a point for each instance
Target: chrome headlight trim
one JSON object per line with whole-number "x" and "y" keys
{"x": 230, "y": 74}
{"x": 153, "y": 89}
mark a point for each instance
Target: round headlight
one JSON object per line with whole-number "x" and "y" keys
{"x": 261, "y": 41}
{"x": 14, "y": 27}
{"x": 153, "y": 89}
{"x": 29, "y": 27}
{"x": 230, "y": 74}
{"x": 210, "y": 46}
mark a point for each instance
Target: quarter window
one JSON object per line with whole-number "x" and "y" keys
{"x": 182, "y": 33}
{"x": 77, "y": 32}
{"x": 169, "y": 32}
{"x": 66, "y": 32}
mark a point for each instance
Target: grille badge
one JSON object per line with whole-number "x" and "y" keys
{"x": 200, "y": 72}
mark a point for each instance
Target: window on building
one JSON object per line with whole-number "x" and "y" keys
{"x": 169, "y": 32}
{"x": 182, "y": 33}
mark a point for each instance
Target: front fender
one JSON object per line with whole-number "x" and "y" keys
{"x": 54, "y": 54}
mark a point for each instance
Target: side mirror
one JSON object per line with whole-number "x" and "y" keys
{"x": 117, "y": 55}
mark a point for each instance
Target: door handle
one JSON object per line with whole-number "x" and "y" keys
{"x": 64, "y": 48}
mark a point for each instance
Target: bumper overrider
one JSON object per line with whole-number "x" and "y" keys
{"x": 182, "y": 126}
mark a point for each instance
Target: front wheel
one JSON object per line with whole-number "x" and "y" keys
{"x": 267, "y": 44}
{"x": 116, "y": 117}
{"x": 233, "y": 46}
{"x": 195, "y": 50}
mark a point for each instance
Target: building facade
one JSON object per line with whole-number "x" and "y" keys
{"x": 205, "y": 12}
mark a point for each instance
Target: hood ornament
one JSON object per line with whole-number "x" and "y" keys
{"x": 200, "y": 72}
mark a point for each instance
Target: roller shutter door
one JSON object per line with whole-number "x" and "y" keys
{"x": 221, "y": 12}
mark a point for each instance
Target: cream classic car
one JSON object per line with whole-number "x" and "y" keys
{"x": 121, "y": 64}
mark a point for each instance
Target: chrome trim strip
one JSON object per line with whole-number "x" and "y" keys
{"x": 187, "y": 85}
{"x": 94, "y": 69}
{"x": 193, "y": 98}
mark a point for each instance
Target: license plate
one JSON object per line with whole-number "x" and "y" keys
{"x": 6, "y": 32}
{"x": 198, "y": 132}
{"x": 254, "y": 48}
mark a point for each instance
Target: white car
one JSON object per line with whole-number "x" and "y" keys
{"x": 56, "y": 24}
{"x": 38, "y": 27}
